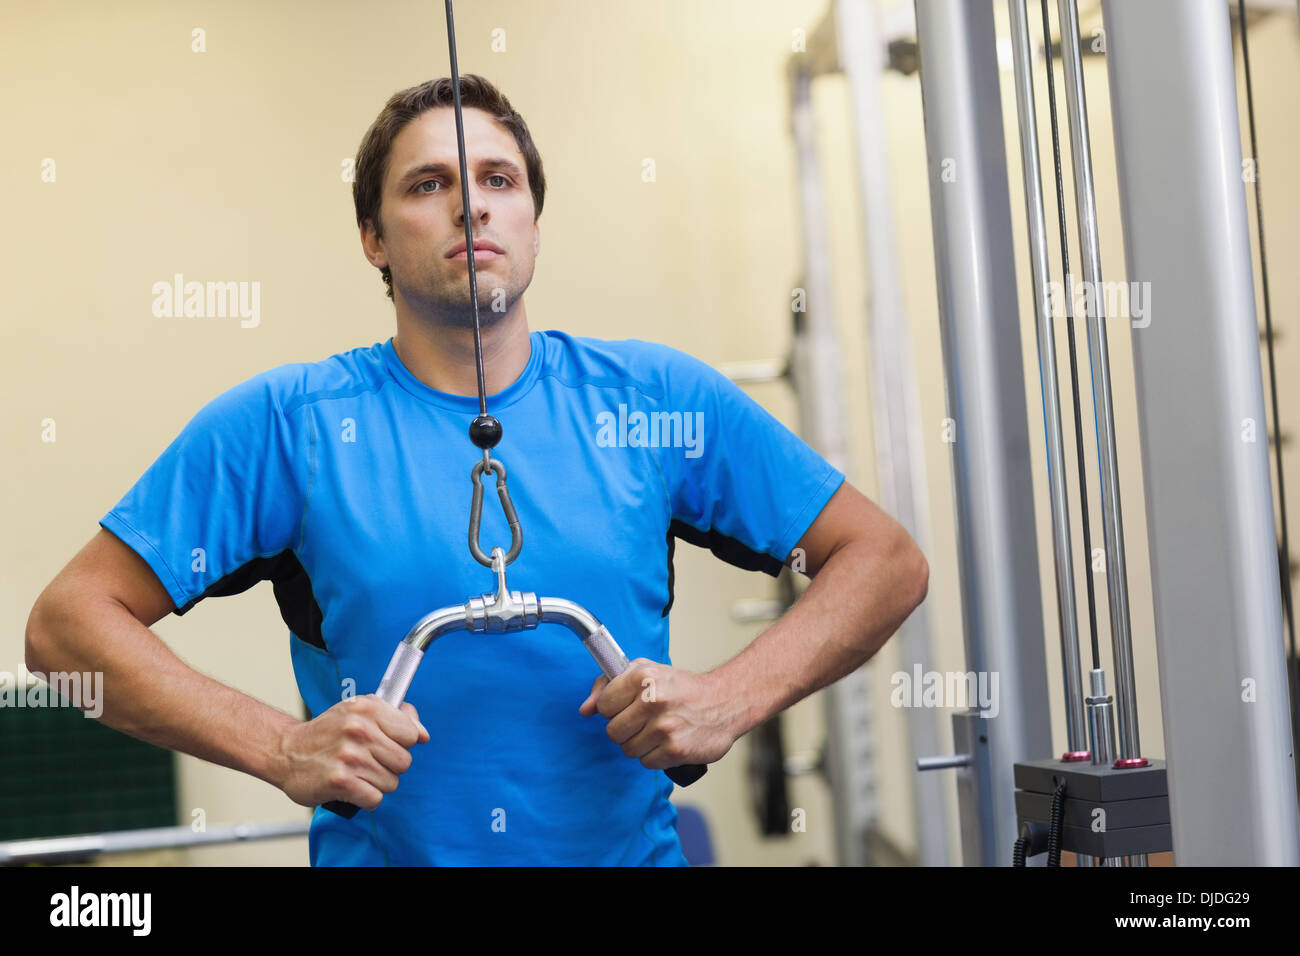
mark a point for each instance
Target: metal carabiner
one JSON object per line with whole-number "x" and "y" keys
{"x": 476, "y": 511}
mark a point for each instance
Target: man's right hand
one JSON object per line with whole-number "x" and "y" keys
{"x": 353, "y": 752}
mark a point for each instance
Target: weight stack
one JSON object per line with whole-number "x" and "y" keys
{"x": 1107, "y": 812}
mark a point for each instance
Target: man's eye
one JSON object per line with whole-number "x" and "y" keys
{"x": 433, "y": 182}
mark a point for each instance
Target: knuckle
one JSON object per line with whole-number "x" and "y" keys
{"x": 355, "y": 726}
{"x": 671, "y": 751}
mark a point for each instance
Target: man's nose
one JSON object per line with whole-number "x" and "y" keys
{"x": 477, "y": 205}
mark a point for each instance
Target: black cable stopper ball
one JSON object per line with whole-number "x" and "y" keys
{"x": 485, "y": 431}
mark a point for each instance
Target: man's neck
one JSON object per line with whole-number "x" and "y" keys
{"x": 442, "y": 356}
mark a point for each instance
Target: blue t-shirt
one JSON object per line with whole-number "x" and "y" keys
{"x": 346, "y": 482}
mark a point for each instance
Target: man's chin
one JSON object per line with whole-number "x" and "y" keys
{"x": 454, "y": 304}
{"x": 460, "y": 312}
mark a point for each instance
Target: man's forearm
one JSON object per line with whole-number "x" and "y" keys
{"x": 858, "y": 599}
{"x": 150, "y": 693}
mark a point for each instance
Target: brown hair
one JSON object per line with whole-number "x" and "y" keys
{"x": 403, "y": 107}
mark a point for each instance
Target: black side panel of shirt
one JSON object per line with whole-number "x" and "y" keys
{"x": 293, "y": 593}
{"x": 729, "y": 549}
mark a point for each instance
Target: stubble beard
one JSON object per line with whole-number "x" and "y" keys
{"x": 451, "y": 299}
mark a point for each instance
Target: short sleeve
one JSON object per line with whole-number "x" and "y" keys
{"x": 739, "y": 483}
{"x": 224, "y": 499}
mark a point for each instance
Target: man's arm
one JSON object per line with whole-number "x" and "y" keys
{"x": 868, "y": 576}
{"x": 95, "y": 616}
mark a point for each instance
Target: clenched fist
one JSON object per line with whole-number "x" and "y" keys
{"x": 353, "y": 752}
{"x": 663, "y": 716}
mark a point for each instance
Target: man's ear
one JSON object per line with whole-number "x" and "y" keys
{"x": 373, "y": 246}
{"x": 537, "y": 240}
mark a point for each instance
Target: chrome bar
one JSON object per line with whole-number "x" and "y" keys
{"x": 943, "y": 763}
{"x": 1104, "y": 414}
{"x": 1101, "y": 732}
{"x": 83, "y": 846}
{"x": 1036, "y": 218}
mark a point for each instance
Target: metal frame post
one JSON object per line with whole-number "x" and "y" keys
{"x": 900, "y": 450}
{"x": 817, "y": 377}
{"x": 1200, "y": 399}
{"x": 979, "y": 322}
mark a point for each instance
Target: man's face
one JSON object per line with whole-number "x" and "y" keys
{"x": 423, "y": 223}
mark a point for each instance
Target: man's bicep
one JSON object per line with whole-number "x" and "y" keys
{"x": 108, "y": 568}
{"x": 847, "y": 515}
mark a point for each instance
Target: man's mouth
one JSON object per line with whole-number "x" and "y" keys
{"x": 484, "y": 251}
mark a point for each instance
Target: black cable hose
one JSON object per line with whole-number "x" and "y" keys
{"x": 1054, "y": 831}
{"x": 1018, "y": 853}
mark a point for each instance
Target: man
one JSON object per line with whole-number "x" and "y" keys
{"x": 346, "y": 483}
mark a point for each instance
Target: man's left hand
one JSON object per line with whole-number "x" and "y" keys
{"x": 663, "y": 716}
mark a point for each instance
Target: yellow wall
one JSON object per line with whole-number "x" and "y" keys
{"x": 226, "y": 165}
